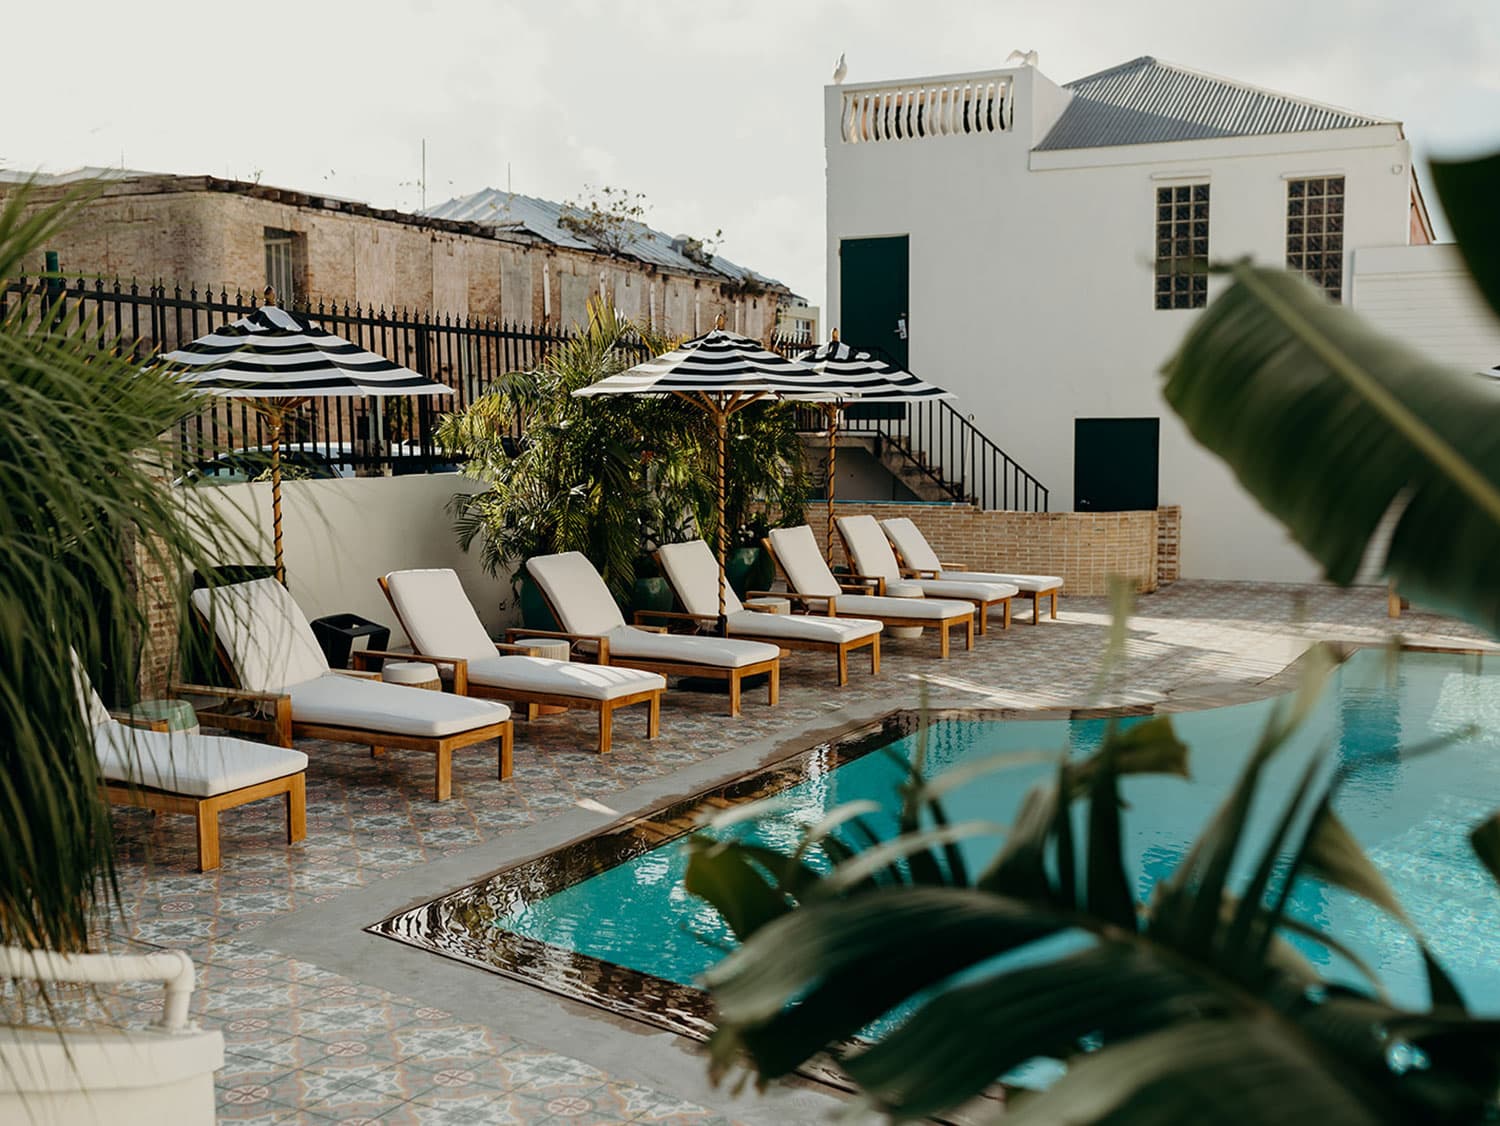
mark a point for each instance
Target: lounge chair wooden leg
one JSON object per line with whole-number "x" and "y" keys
{"x": 207, "y": 816}
{"x": 532, "y": 711}
{"x": 843, "y": 665}
{"x": 507, "y": 750}
{"x": 982, "y": 612}
{"x": 442, "y": 788}
{"x": 943, "y": 639}
{"x": 653, "y": 717}
{"x": 606, "y": 728}
{"x": 296, "y": 810}
{"x": 773, "y": 692}
{"x": 969, "y": 633}
{"x": 1054, "y": 605}
{"x": 376, "y": 752}
{"x": 875, "y": 655}
{"x": 734, "y": 693}
{"x": 1006, "y": 624}
{"x": 1036, "y": 608}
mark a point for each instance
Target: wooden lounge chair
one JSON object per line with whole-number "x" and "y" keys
{"x": 919, "y": 560}
{"x": 444, "y": 629}
{"x": 269, "y": 649}
{"x": 812, "y": 583}
{"x": 177, "y": 772}
{"x": 694, "y": 574}
{"x": 591, "y": 619}
{"x": 870, "y": 553}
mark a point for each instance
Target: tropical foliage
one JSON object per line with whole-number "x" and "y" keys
{"x": 83, "y": 510}
{"x": 1192, "y": 1007}
{"x": 613, "y": 476}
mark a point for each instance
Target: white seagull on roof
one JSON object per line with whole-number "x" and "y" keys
{"x": 840, "y": 69}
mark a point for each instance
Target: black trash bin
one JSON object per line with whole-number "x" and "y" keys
{"x": 337, "y": 633}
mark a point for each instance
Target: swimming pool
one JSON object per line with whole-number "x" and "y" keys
{"x": 606, "y": 920}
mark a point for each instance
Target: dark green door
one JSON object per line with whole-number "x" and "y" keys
{"x": 873, "y": 276}
{"x": 1115, "y": 464}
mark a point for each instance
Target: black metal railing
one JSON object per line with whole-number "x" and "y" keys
{"x": 465, "y": 353}
{"x": 935, "y": 441}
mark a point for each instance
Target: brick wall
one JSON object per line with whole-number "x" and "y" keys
{"x": 1085, "y": 548}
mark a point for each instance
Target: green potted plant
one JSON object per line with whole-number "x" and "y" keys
{"x": 748, "y": 566}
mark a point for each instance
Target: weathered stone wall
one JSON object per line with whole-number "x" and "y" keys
{"x": 162, "y": 228}
{"x": 1085, "y": 548}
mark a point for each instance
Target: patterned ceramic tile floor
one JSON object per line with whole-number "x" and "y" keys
{"x": 308, "y": 1046}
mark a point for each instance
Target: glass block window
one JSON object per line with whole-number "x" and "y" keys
{"x": 1182, "y": 246}
{"x": 1315, "y": 231}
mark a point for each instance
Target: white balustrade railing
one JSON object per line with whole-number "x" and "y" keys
{"x": 908, "y": 112}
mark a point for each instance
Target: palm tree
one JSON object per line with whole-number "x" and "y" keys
{"x": 84, "y": 511}
{"x": 604, "y": 477}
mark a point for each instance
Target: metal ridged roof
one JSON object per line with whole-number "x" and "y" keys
{"x": 543, "y": 219}
{"x": 1147, "y": 101}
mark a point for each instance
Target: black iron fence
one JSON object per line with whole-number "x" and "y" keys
{"x": 931, "y": 440}
{"x": 466, "y": 353}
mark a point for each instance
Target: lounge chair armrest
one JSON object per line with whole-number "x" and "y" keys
{"x": 919, "y": 573}
{"x": 141, "y": 721}
{"x": 950, "y": 565}
{"x": 602, "y": 655}
{"x": 180, "y": 689}
{"x": 356, "y": 674}
{"x": 359, "y": 658}
{"x": 501, "y": 647}
{"x": 655, "y": 629}
{"x": 855, "y": 583}
{"x": 792, "y": 596}
{"x": 674, "y": 615}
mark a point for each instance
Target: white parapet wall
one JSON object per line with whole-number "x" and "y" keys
{"x": 341, "y": 535}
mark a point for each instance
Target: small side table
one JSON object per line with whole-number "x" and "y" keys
{"x": 903, "y": 590}
{"x": 178, "y": 715}
{"x": 766, "y": 605}
{"x": 412, "y": 674}
{"x": 337, "y": 633}
{"x": 553, "y": 649}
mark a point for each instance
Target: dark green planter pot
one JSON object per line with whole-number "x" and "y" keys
{"x": 651, "y": 594}
{"x": 534, "y": 612}
{"x": 749, "y": 568}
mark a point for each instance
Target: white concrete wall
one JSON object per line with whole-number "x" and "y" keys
{"x": 1032, "y": 284}
{"x": 1424, "y": 296}
{"x": 340, "y": 535}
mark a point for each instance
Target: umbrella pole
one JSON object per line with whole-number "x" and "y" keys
{"x": 832, "y": 411}
{"x": 721, "y": 418}
{"x": 276, "y": 420}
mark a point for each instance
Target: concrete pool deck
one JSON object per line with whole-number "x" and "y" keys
{"x": 325, "y": 1022}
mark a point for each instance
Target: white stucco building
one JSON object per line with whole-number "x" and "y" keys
{"x": 1034, "y": 248}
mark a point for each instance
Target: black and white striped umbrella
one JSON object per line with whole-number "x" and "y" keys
{"x": 859, "y": 377}
{"x": 719, "y": 372}
{"x": 276, "y": 354}
{"x": 278, "y": 360}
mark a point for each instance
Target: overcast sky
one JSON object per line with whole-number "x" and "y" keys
{"x": 712, "y": 109}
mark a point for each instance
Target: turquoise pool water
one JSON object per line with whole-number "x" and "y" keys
{"x": 1412, "y": 815}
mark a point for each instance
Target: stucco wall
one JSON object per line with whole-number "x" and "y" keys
{"x": 1031, "y": 285}
{"x": 340, "y": 535}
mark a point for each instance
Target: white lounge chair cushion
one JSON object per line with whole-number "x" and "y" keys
{"x": 946, "y": 587}
{"x": 870, "y": 552}
{"x": 797, "y": 552}
{"x": 919, "y": 556}
{"x": 1030, "y": 584}
{"x": 437, "y": 614}
{"x": 576, "y": 593}
{"x": 801, "y": 627}
{"x": 264, "y": 632}
{"x": 562, "y": 678}
{"x": 694, "y": 574}
{"x": 933, "y": 609}
{"x": 716, "y": 652}
{"x": 197, "y": 765}
{"x": 369, "y": 705}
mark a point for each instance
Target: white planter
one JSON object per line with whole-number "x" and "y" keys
{"x": 114, "y": 1077}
